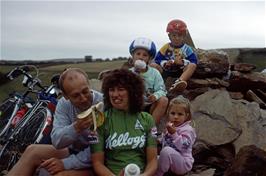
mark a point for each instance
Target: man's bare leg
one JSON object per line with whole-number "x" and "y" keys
{"x": 82, "y": 172}
{"x": 33, "y": 156}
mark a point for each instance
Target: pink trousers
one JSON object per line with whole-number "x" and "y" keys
{"x": 170, "y": 159}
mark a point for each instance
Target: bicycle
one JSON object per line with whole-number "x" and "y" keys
{"x": 34, "y": 127}
{"x": 15, "y": 101}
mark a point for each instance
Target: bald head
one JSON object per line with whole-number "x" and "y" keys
{"x": 70, "y": 75}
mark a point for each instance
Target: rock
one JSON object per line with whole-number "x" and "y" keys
{"x": 220, "y": 120}
{"x": 207, "y": 82}
{"x": 233, "y": 54}
{"x": 212, "y": 156}
{"x": 243, "y": 82}
{"x": 208, "y": 172}
{"x": 236, "y": 95}
{"x": 250, "y": 95}
{"x": 261, "y": 94}
{"x": 169, "y": 82}
{"x": 214, "y": 117}
{"x": 223, "y": 127}
{"x": 250, "y": 160}
{"x": 252, "y": 122}
{"x": 211, "y": 63}
{"x": 193, "y": 93}
{"x": 242, "y": 67}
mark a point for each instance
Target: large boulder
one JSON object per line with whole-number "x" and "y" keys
{"x": 215, "y": 118}
{"x": 220, "y": 120}
{"x": 252, "y": 121}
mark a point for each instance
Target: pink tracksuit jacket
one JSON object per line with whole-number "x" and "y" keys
{"x": 176, "y": 154}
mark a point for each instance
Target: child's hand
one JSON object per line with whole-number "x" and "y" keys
{"x": 170, "y": 128}
{"x": 168, "y": 64}
{"x": 151, "y": 98}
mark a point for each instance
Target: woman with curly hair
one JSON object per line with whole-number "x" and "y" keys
{"x": 127, "y": 134}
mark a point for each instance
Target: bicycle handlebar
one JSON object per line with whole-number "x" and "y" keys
{"x": 28, "y": 80}
{"x": 31, "y": 82}
{"x": 18, "y": 71}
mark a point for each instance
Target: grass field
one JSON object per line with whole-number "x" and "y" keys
{"x": 93, "y": 69}
{"x": 45, "y": 74}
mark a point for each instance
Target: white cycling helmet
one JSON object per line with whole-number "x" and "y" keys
{"x": 143, "y": 43}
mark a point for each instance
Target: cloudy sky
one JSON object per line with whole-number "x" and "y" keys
{"x": 42, "y": 30}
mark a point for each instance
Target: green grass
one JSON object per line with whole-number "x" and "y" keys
{"x": 45, "y": 74}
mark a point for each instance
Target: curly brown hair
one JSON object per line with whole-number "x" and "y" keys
{"x": 128, "y": 80}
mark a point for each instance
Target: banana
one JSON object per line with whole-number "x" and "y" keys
{"x": 96, "y": 112}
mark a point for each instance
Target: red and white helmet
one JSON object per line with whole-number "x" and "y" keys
{"x": 177, "y": 26}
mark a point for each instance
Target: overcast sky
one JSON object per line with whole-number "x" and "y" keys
{"x": 42, "y": 30}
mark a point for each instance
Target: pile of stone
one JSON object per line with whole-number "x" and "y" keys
{"x": 229, "y": 116}
{"x": 215, "y": 72}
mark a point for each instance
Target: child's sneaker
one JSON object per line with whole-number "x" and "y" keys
{"x": 178, "y": 86}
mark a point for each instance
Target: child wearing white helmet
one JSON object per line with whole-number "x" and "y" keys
{"x": 176, "y": 58}
{"x": 142, "y": 51}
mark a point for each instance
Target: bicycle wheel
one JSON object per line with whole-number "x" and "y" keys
{"x": 9, "y": 155}
{"x": 37, "y": 126}
{"x": 31, "y": 131}
{"x": 6, "y": 109}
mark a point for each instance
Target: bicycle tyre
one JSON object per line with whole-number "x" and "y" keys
{"x": 6, "y": 109}
{"x": 9, "y": 156}
{"x": 33, "y": 131}
{"x": 23, "y": 135}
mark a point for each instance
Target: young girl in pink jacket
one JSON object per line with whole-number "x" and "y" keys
{"x": 178, "y": 139}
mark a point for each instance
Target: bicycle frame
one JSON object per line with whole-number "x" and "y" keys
{"x": 28, "y": 116}
{"x": 18, "y": 102}
{"x": 37, "y": 105}
{"x": 26, "y": 119}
